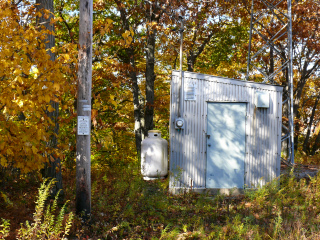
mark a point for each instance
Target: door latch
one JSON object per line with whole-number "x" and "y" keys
{"x": 208, "y": 136}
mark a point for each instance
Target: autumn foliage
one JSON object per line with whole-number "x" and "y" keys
{"x": 29, "y": 81}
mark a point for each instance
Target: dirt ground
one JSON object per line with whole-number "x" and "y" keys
{"x": 300, "y": 170}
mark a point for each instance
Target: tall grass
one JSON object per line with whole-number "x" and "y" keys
{"x": 129, "y": 208}
{"x": 126, "y": 207}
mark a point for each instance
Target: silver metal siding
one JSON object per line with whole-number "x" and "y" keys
{"x": 188, "y": 146}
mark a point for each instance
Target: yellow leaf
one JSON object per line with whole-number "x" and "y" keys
{"x": 50, "y": 109}
{"x": 4, "y": 162}
{"x": 17, "y": 71}
{"x": 34, "y": 150}
{"x": 109, "y": 21}
{"x": 47, "y": 98}
{"x": 56, "y": 86}
{"x": 125, "y": 34}
{"x": 114, "y": 102}
{"x": 35, "y": 70}
{"x": 129, "y": 40}
{"x": 66, "y": 57}
{"x": 19, "y": 90}
{"x": 20, "y": 103}
{"x": 9, "y": 151}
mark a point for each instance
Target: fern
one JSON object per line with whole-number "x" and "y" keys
{"x": 6, "y": 199}
{"x": 47, "y": 225}
{"x": 4, "y": 228}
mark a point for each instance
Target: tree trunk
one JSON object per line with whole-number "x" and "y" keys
{"x": 315, "y": 146}
{"x": 137, "y": 103}
{"x": 296, "y": 131}
{"x": 306, "y": 147}
{"x": 191, "y": 59}
{"x": 153, "y": 14}
{"x": 150, "y": 78}
{"x": 52, "y": 169}
{"x": 271, "y": 68}
{"x": 285, "y": 130}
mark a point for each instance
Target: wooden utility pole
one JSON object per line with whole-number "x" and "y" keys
{"x": 83, "y": 154}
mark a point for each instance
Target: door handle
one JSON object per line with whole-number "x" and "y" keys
{"x": 209, "y": 145}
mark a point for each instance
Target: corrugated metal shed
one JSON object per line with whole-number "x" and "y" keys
{"x": 188, "y": 146}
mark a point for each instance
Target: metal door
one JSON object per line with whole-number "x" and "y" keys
{"x": 225, "y": 145}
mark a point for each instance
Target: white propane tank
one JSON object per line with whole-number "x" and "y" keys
{"x": 154, "y": 156}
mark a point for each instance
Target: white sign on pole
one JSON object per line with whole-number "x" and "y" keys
{"x": 83, "y": 125}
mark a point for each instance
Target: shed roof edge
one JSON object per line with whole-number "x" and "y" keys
{"x": 228, "y": 80}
